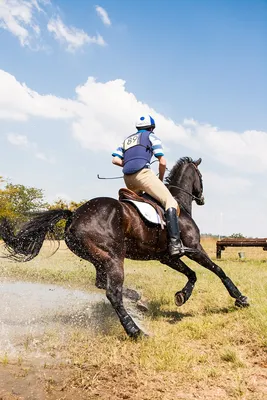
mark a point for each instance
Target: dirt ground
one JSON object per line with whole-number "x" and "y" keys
{"x": 46, "y": 369}
{"x": 31, "y": 381}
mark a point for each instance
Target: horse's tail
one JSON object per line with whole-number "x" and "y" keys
{"x": 26, "y": 244}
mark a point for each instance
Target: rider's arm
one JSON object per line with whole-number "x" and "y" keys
{"x": 117, "y": 161}
{"x": 158, "y": 153}
{"x": 162, "y": 167}
{"x": 118, "y": 156}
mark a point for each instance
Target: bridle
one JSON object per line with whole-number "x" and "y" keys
{"x": 199, "y": 200}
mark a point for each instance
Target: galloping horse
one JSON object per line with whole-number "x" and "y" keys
{"x": 104, "y": 231}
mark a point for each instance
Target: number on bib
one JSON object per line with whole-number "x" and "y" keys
{"x": 131, "y": 141}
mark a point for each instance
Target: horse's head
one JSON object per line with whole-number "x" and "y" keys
{"x": 198, "y": 184}
{"x": 185, "y": 180}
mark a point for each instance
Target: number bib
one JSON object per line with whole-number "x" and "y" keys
{"x": 131, "y": 141}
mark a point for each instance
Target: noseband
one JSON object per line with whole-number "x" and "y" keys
{"x": 199, "y": 200}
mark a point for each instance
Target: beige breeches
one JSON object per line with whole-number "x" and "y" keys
{"x": 147, "y": 181}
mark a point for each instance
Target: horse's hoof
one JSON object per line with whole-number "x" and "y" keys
{"x": 179, "y": 299}
{"x": 131, "y": 294}
{"x": 137, "y": 335}
{"x": 242, "y": 302}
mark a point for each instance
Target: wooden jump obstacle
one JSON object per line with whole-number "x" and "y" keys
{"x": 239, "y": 242}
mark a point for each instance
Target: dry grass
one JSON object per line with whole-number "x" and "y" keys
{"x": 207, "y": 349}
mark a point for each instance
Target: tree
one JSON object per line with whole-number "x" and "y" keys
{"x": 63, "y": 205}
{"x": 6, "y": 209}
{"x": 18, "y": 201}
{"x": 59, "y": 204}
{"x": 237, "y": 236}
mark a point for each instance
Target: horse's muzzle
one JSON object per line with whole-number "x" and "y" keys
{"x": 200, "y": 201}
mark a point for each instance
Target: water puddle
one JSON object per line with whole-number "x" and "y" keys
{"x": 30, "y": 310}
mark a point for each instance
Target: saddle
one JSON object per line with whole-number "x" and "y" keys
{"x": 129, "y": 195}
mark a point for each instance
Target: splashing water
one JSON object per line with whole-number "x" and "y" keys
{"x": 30, "y": 310}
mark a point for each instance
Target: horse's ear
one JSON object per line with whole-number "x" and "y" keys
{"x": 197, "y": 162}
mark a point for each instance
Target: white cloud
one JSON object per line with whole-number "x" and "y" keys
{"x": 18, "y": 102}
{"x": 226, "y": 185}
{"x": 43, "y": 157}
{"x": 244, "y": 151}
{"x": 22, "y": 19}
{"x": 103, "y": 15}
{"x": 23, "y": 142}
{"x": 110, "y": 113}
{"x": 111, "y": 110}
{"x": 103, "y": 113}
{"x": 18, "y": 140}
{"x": 72, "y": 37}
{"x": 17, "y": 17}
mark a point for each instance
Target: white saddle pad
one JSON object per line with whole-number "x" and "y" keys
{"x": 148, "y": 212}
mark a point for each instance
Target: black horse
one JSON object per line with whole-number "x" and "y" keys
{"x": 104, "y": 231}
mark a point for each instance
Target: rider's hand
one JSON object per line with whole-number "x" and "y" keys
{"x": 162, "y": 167}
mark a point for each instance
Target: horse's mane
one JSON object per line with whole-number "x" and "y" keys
{"x": 170, "y": 179}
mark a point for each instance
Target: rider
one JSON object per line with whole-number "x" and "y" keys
{"x": 134, "y": 155}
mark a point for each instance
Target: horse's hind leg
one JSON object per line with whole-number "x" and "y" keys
{"x": 202, "y": 258}
{"x": 101, "y": 283}
{"x": 114, "y": 291}
{"x": 101, "y": 276}
{"x": 183, "y": 295}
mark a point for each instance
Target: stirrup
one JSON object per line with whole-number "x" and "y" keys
{"x": 176, "y": 249}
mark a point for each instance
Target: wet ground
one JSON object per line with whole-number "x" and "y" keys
{"x": 36, "y": 323}
{"x": 30, "y": 310}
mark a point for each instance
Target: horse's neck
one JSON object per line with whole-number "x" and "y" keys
{"x": 185, "y": 182}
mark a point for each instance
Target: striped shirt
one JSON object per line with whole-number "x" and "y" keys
{"x": 156, "y": 147}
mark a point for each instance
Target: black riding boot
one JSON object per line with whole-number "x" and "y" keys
{"x": 175, "y": 245}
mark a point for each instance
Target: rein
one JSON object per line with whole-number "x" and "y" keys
{"x": 185, "y": 191}
{"x": 168, "y": 186}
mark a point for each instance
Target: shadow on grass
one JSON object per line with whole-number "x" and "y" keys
{"x": 155, "y": 312}
{"x": 219, "y": 310}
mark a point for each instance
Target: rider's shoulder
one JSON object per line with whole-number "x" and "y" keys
{"x": 153, "y": 137}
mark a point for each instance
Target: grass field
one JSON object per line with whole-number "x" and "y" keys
{"x": 207, "y": 349}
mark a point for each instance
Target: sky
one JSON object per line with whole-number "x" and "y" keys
{"x": 75, "y": 75}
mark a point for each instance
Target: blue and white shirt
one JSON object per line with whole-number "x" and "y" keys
{"x": 156, "y": 147}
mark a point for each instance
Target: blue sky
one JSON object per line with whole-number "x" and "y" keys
{"x": 200, "y": 66}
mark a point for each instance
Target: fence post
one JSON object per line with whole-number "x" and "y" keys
{"x": 218, "y": 251}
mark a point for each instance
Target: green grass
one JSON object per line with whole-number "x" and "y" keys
{"x": 206, "y": 348}
{"x": 63, "y": 267}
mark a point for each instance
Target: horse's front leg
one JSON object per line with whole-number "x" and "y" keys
{"x": 114, "y": 291}
{"x": 201, "y": 257}
{"x": 183, "y": 295}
